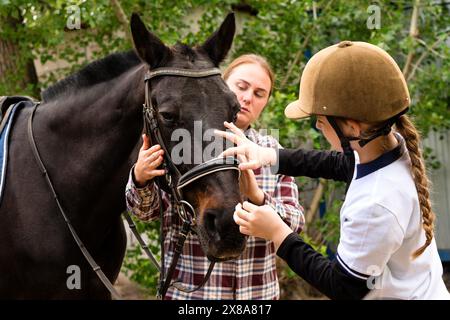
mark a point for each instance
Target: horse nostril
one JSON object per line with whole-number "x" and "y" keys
{"x": 210, "y": 223}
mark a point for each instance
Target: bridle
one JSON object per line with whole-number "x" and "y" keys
{"x": 173, "y": 181}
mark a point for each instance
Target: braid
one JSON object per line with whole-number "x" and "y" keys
{"x": 406, "y": 128}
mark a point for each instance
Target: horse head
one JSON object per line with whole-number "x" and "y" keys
{"x": 189, "y": 107}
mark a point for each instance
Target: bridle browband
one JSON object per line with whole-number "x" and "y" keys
{"x": 175, "y": 186}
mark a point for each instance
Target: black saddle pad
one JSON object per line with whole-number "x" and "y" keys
{"x": 12, "y": 107}
{"x": 6, "y": 101}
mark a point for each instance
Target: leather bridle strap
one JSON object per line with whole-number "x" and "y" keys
{"x": 177, "y": 252}
{"x": 180, "y": 287}
{"x": 182, "y": 73}
{"x": 141, "y": 241}
{"x": 151, "y": 128}
{"x": 75, "y": 236}
{"x": 150, "y": 115}
{"x": 207, "y": 168}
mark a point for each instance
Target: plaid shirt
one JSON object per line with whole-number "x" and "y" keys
{"x": 251, "y": 276}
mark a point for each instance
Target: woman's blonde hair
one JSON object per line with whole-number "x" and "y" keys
{"x": 251, "y": 59}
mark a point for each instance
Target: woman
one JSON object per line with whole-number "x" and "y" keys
{"x": 252, "y": 275}
{"x": 386, "y": 248}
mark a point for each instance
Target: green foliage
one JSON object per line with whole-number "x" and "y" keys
{"x": 282, "y": 31}
{"x": 139, "y": 269}
{"x": 431, "y": 159}
{"x": 137, "y": 265}
{"x": 318, "y": 246}
{"x": 328, "y": 226}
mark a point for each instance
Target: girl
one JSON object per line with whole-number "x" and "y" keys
{"x": 386, "y": 248}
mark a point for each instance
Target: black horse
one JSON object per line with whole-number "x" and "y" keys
{"x": 88, "y": 130}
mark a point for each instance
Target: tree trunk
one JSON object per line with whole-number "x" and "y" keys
{"x": 17, "y": 72}
{"x": 413, "y": 34}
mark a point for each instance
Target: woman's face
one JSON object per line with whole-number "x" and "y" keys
{"x": 251, "y": 84}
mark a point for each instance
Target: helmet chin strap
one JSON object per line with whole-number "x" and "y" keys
{"x": 345, "y": 141}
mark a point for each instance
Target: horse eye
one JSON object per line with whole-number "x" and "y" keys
{"x": 167, "y": 116}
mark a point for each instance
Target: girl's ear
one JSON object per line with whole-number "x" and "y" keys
{"x": 351, "y": 128}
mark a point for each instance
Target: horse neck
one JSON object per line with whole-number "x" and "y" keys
{"x": 110, "y": 101}
{"x": 87, "y": 141}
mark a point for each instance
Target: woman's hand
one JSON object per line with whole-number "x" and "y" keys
{"x": 148, "y": 160}
{"x": 262, "y": 222}
{"x": 256, "y": 155}
{"x": 248, "y": 184}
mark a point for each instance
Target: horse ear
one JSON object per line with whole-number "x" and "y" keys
{"x": 219, "y": 43}
{"x": 148, "y": 46}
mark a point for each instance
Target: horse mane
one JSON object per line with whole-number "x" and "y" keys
{"x": 95, "y": 72}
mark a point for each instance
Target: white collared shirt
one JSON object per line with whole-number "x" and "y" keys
{"x": 381, "y": 227}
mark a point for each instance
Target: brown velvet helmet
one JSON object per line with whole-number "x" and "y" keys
{"x": 353, "y": 80}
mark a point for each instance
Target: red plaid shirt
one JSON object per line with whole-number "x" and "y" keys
{"x": 251, "y": 276}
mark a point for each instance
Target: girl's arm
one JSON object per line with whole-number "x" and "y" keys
{"x": 328, "y": 276}
{"x": 316, "y": 164}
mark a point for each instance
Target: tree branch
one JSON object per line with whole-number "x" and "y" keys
{"x": 315, "y": 202}
{"x": 413, "y": 33}
{"x": 123, "y": 20}
{"x": 423, "y": 56}
{"x": 299, "y": 53}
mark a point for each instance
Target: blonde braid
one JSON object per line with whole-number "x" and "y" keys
{"x": 406, "y": 128}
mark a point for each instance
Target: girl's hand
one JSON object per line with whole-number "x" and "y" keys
{"x": 248, "y": 184}
{"x": 262, "y": 222}
{"x": 256, "y": 155}
{"x": 148, "y": 160}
